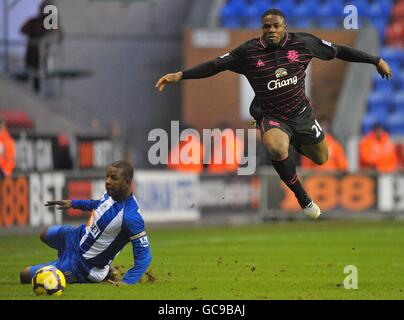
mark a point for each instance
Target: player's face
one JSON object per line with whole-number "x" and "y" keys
{"x": 115, "y": 184}
{"x": 273, "y": 29}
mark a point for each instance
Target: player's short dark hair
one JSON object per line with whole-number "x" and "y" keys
{"x": 127, "y": 169}
{"x": 274, "y": 12}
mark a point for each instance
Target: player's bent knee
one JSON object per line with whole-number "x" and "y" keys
{"x": 25, "y": 276}
{"x": 278, "y": 150}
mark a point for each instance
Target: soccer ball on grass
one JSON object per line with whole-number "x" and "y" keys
{"x": 48, "y": 281}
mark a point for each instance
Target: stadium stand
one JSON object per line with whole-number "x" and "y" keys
{"x": 328, "y": 14}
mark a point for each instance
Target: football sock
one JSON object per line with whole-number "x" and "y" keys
{"x": 287, "y": 172}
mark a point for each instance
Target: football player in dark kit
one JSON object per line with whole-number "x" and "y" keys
{"x": 275, "y": 67}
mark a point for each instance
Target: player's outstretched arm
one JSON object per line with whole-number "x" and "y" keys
{"x": 86, "y": 205}
{"x": 354, "y": 55}
{"x": 168, "y": 78}
{"x": 62, "y": 204}
{"x": 200, "y": 71}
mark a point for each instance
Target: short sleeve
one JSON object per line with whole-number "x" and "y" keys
{"x": 229, "y": 61}
{"x": 234, "y": 60}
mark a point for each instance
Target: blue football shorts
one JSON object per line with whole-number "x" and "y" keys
{"x": 58, "y": 237}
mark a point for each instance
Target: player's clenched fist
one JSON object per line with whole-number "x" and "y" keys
{"x": 168, "y": 78}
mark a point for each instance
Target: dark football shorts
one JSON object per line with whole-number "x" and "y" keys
{"x": 302, "y": 129}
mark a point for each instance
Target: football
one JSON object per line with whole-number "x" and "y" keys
{"x": 48, "y": 281}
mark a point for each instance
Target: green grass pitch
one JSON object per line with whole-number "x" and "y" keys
{"x": 298, "y": 260}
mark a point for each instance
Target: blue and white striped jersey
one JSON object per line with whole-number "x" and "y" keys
{"x": 111, "y": 226}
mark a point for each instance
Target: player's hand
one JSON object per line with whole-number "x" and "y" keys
{"x": 117, "y": 283}
{"x": 384, "y": 69}
{"x": 168, "y": 78}
{"x": 63, "y": 204}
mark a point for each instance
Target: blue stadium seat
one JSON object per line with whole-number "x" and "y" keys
{"x": 305, "y": 9}
{"x": 368, "y": 121}
{"x": 252, "y": 16}
{"x": 231, "y": 14}
{"x": 379, "y": 99}
{"x": 398, "y": 101}
{"x": 386, "y": 6}
{"x": 324, "y": 10}
{"x": 395, "y": 66}
{"x": 253, "y": 13}
{"x": 381, "y": 114}
{"x": 391, "y": 54}
{"x": 377, "y": 9}
{"x": 394, "y": 123}
{"x": 398, "y": 78}
{"x": 379, "y": 23}
{"x": 287, "y": 7}
{"x": 382, "y": 84}
{"x": 336, "y": 6}
{"x": 362, "y": 6}
{"x": 330, "y": 14}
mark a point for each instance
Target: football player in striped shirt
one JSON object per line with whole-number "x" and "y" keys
{"x": 85, "y": 253}
{"x": 275, "y": 66}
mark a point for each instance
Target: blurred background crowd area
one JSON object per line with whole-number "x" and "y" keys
{"x": 82, "y": 95}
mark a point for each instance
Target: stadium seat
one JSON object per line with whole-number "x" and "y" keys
{"x": 231, "y": 15}
{"x": 253, "y": 13}
{"x": 17, "y": 119}
{"x": 398, "y": 101}
{"x": 395, "y": 123}
{"x": 391, "y": 54}
{"x": 368, "y": 121}
{"x": 375, "y": 10}
{"x": 400, "y": 155}
{"x": 325, "y": 10}
{"x": 380, "y": 114}
{"x": 381, "y": 84}
{"x": 380, "y": 23}
{"x": 379, "y": 99}
{"x": 305, "y": 9}
{"x": 398, "y": 79}
{"x": 398, "y": 10}
{"x": 395, "y": 34}
{"x": 361, "y": 5}
{"x": 287, "y": 7}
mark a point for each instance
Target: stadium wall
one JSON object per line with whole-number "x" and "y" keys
{"x": 125, "y": 46}
{"x": 169, "y": 197}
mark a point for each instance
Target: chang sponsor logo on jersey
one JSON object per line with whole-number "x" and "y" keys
{"x": 277, "y": 84}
